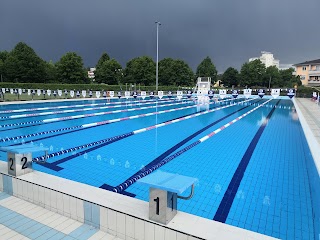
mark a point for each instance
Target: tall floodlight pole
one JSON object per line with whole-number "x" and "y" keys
{"x": 158, "y": 24}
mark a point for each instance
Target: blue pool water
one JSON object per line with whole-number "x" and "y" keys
{"x": 252, "y": 174}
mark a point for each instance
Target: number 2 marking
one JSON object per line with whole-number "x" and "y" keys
{"x": 24, "y": 160}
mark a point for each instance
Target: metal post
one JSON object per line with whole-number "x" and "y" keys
{"x": 269, "y": 82}
{"x": 158, "y": 24}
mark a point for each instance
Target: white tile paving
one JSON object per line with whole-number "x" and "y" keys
{"x": 44, "y": 216}
{"x": 7, "y": 233}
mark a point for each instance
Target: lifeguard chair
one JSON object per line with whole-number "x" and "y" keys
{"x": 202, "y": 89}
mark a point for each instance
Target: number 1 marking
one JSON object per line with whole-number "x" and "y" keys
{"x": 172, "y": 203}
{"x": 157, "y": 201}
{"x": 11, "y": 166}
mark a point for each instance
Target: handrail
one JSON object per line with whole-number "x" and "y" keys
{"x": 188, "y": 197}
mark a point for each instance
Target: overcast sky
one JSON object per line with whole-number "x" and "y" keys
{"x": 229, "y": 31}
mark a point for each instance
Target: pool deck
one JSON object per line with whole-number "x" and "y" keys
{"x": 309, "y": 115}
{"x": 82, "y": 206}
{"x": 20, "y": 219}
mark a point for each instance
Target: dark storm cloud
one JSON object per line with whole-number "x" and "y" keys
{"x": 229, "y": 31}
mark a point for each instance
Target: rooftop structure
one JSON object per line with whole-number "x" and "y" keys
{"x": 267, "y": 59}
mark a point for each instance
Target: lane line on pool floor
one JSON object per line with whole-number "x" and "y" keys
{"x": 50, "y": 120}
{"x": 228, "y": 198}
{"x": 12, "y": 117}
{"x": 160, "y": 162}
{"x": 104, "y": 142}
{"x": 94, "y": 124}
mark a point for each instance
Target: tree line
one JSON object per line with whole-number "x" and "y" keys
{"x": 23, "y": 65}
{"x": 255, "y": 74}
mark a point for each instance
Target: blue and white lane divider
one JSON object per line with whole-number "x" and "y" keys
{"x": 44, "y": 157}
{"x": 123, "y": 186}
{"x": 73, "y": 110}
{"x": 92, "y": 114}
{"x": 88, "y": 125}
{"x": 83, "y": 105}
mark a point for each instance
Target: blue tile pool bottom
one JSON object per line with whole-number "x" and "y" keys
{"x": 273, "y": 197}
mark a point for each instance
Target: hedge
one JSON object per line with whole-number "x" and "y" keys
{"x": 93, "y": 87}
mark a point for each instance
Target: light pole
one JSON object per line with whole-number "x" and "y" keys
{"x": 158, "y": 24}
{"x": 269, "y": 82}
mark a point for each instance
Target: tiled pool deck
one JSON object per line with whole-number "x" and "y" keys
{"x": 27, "y": 213}
{"x": 20, "y": 219}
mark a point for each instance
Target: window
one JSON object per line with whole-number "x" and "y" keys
{"x": 302, "y": 77}
{"x": 304, "y": 68}
{"x": 316, "y": 78}
{"x": 317, "y": 68}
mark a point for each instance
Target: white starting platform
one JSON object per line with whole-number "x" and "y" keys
{"x": 163, "y": 194}
{"x": 20, "y": 158}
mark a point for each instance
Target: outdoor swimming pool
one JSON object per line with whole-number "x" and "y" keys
{"x": 250, "y": 155}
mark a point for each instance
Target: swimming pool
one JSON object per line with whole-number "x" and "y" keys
{"x": 249, "y": 155}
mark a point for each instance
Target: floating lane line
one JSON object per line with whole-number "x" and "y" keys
{"x": 90, "y": 115}
{"x": 72, "y": 129}
{"x": 73, "y": 110}
{"x": 84, "y": 105}
{"x": 151, "y": 168}
{"x": 119, "y": 137}
{"x": 94, "y": 124}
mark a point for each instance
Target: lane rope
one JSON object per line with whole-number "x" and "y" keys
{"x": 6, "y": 139}
{"x": 89, "y": 115}
{"x": 84, "y": 105}
{"x": 72, "y": 111}
{"x": 44, "y": 157}
{"x": 123, "y": 186}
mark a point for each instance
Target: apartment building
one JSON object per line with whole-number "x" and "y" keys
{"x": 268, "y": 59}
{"x": 309, "y": 72}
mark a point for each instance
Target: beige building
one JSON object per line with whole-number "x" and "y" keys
{"x": 267, "y": 59}
{"x": 309, "y": 72}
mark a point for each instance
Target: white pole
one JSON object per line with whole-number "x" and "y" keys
{"x": 158, "y": 24}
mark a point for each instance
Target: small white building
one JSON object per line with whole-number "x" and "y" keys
{"x": 268, "y": 59}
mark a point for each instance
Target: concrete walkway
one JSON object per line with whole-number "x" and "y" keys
{"x": 20, "y": 219}
{"x": 311, "y": 112}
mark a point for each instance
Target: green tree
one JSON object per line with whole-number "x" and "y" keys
{"x": 184, "y": 75}
{"x": 70, "y": 69}
{"x": 109, "y": 72}
{"x": 140, "y": 70}
{"x": 104, "y": 57}
{"x": 230, "y": 77}
{"x": 51, "y": 72}
{"x": 24, "y": 65}
{"x": 272, "y": 75}
{"x": 252, "y": 73}
{"x": 288, "y": 79}
{"x": 175, "y": 72}
{"x": 207, "y": 69}
{"x": 3, "y": 57}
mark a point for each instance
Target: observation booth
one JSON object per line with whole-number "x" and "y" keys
{"x": 202, "y": 89}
